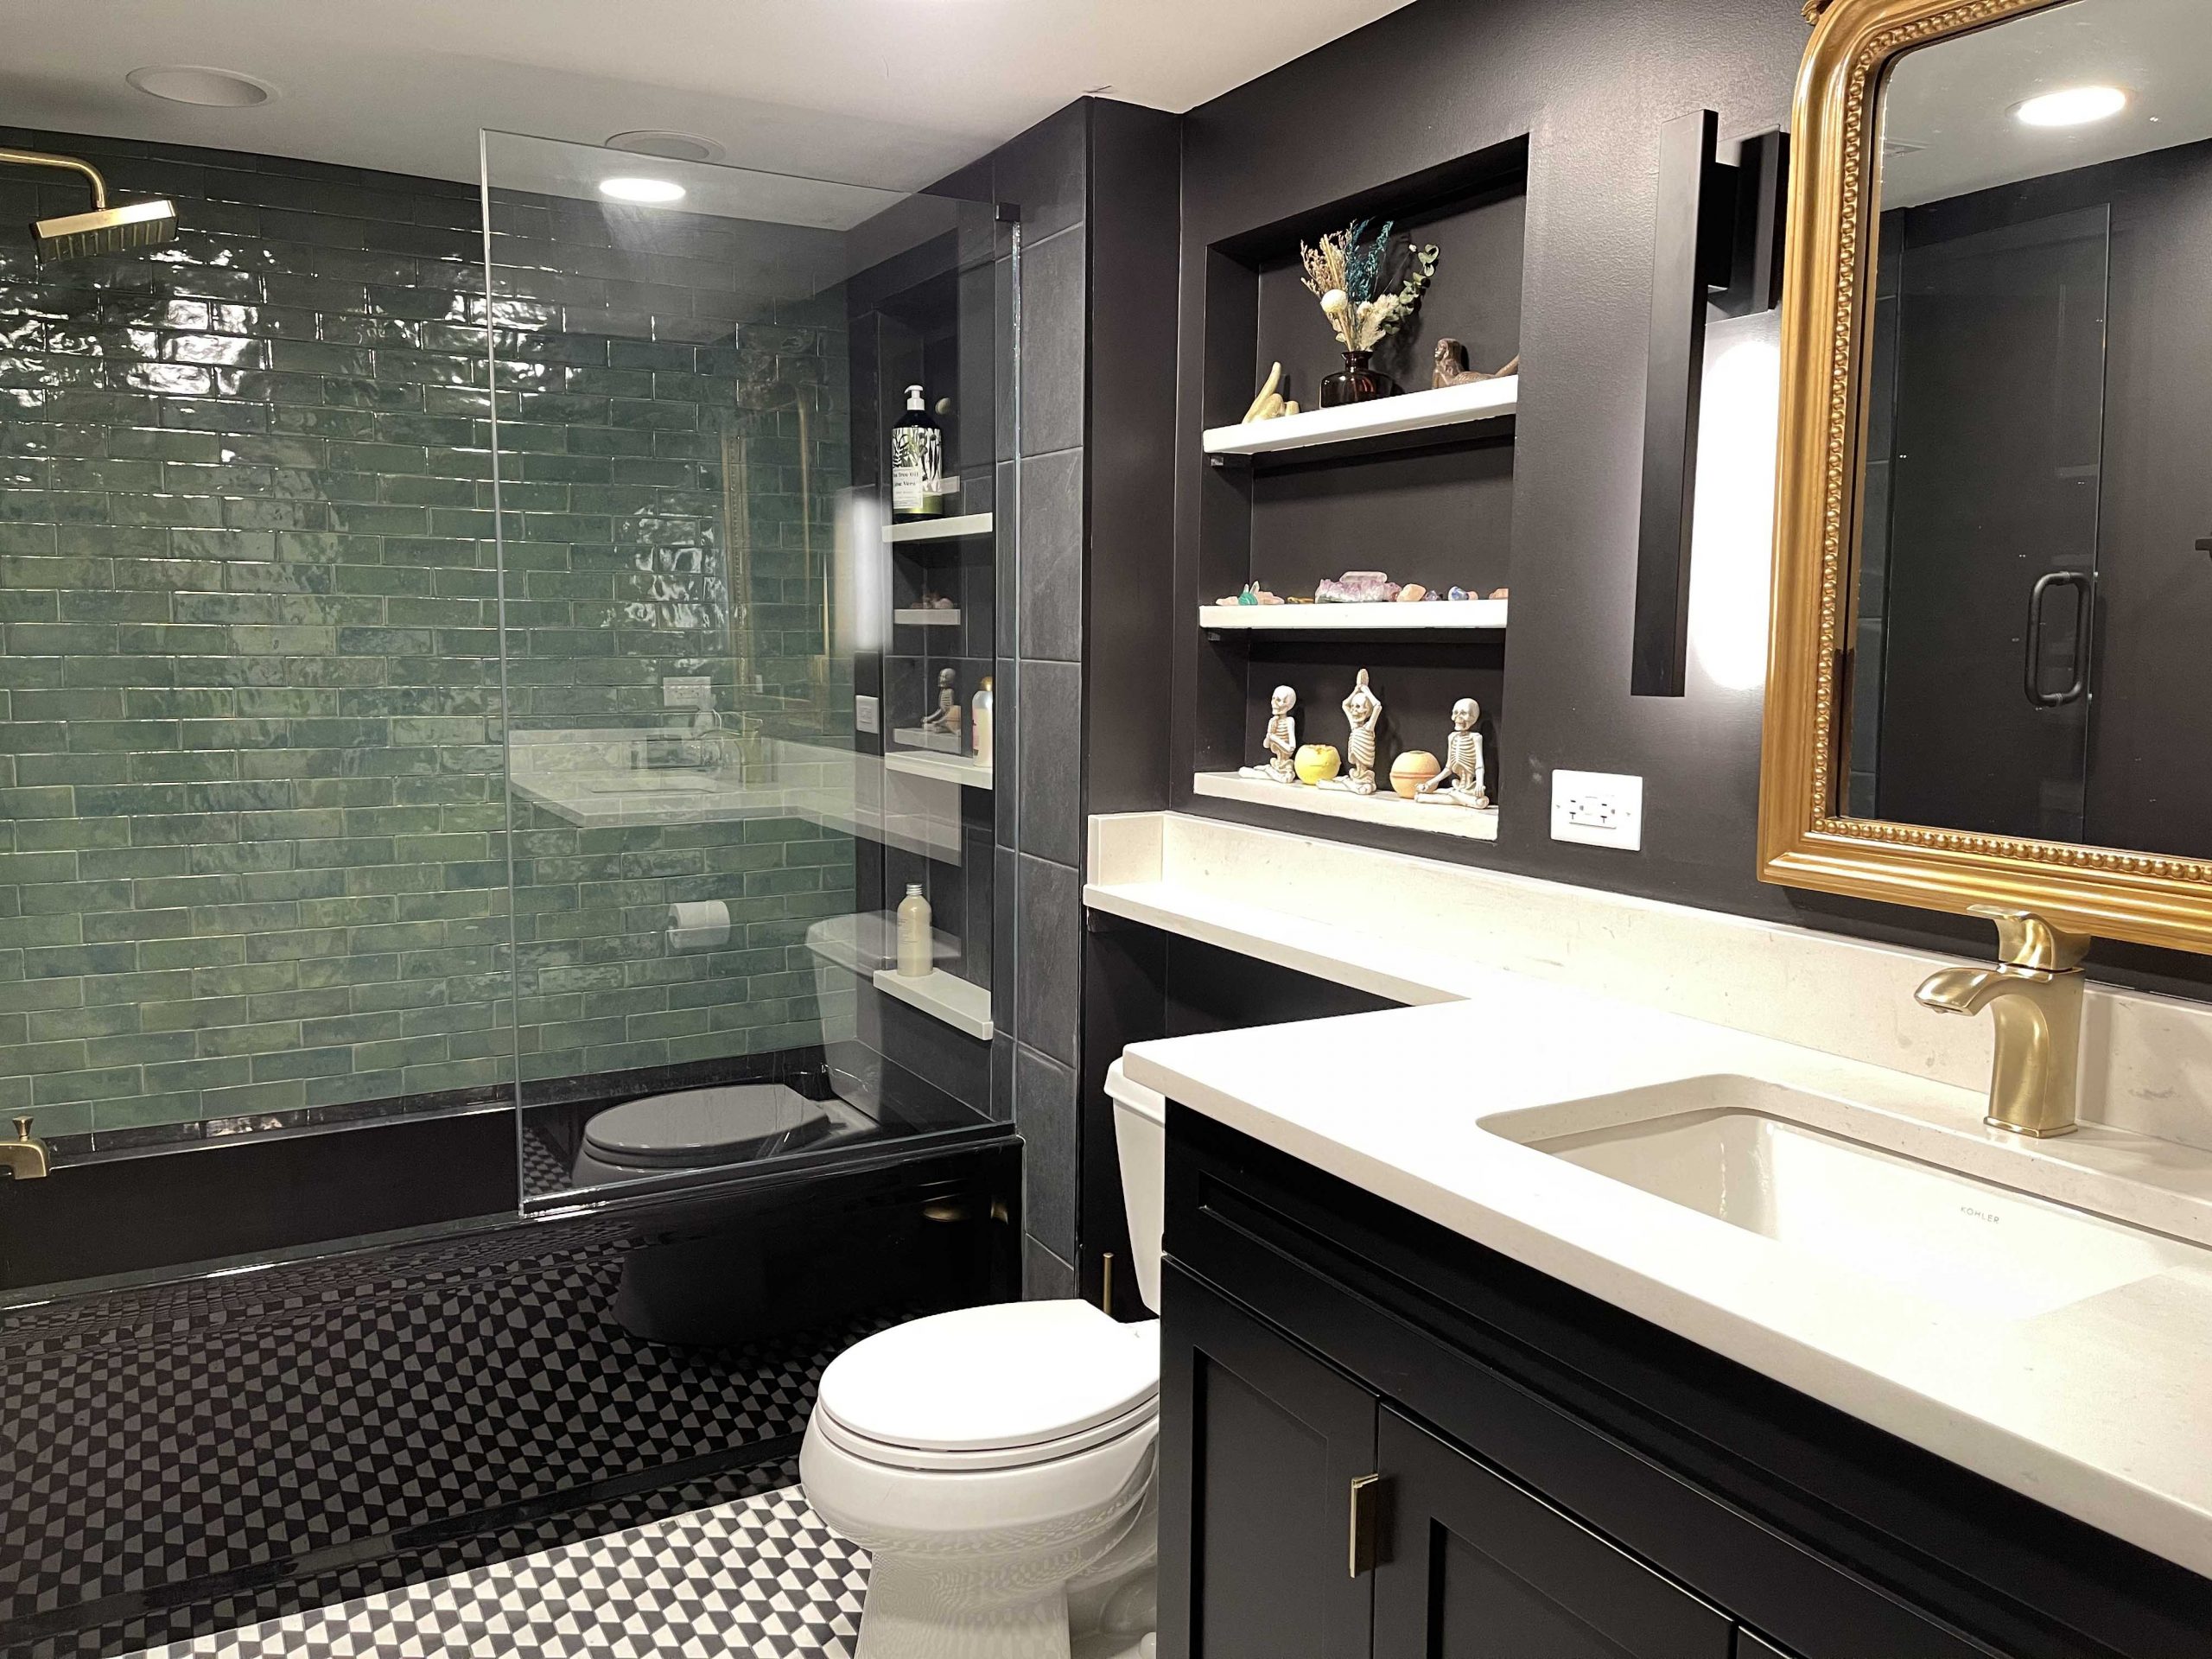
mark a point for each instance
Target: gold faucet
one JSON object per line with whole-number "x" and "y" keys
{"x": 2035, "y": 996}
{"x": 25, "y": 1156}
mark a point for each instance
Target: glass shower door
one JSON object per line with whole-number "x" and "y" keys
{"x": 709, "y": 638}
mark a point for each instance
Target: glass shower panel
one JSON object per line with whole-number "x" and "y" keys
{"x": 703, "y": 603}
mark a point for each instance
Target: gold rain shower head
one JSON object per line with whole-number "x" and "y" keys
{"x": 106, "y": 229}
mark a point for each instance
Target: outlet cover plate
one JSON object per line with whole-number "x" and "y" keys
{"x": 865, "y": 717}
{"x": 1601, "y": 808}
{"x": 687, "y": 691}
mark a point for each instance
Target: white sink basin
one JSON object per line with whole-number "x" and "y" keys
{"x": 1728, "y": 1148}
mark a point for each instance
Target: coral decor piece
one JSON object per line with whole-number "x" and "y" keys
{"x": 1271, "y": 404}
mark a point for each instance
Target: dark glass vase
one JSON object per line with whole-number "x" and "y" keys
{"x": 1356, "y": 383}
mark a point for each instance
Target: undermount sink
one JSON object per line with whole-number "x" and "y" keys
{"x": 1728, "y": 1148}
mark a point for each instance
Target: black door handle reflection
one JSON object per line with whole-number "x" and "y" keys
{"x": 2084, "y": 598}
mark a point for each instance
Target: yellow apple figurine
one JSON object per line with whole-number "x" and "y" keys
{"x": 1317, "y": 763}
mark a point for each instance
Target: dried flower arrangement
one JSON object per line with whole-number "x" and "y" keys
{"x": 1349, "y": 274}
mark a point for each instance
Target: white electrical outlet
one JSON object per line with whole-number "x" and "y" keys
{"x": 687, "y": 691}
{"x": 865, "y": 715}
{"x": 1603, "y": 809}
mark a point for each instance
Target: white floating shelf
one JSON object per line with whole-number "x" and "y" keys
{"x": 1411, "y": 412}
{"x": 1445, "y": 616}
{"x": 939, "y": 530}
{"x": 961, "y": 769}
{"x": 924, "y": 616}
{"x": 960, "y": 1003}
{"x": 1385, "y": 806}
{"x": 913, "y": 737}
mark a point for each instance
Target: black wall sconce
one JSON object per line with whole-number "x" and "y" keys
{"x": 1719, "y": 252}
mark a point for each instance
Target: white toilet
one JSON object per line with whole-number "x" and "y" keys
{"x": 996, "y": 1463}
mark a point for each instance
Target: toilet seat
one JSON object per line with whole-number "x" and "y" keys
{"x": 696, "y": 1129}
{"x": 1002, "y": 1387}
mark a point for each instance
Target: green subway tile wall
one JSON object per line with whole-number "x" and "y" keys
{"x": 253, "y": 816}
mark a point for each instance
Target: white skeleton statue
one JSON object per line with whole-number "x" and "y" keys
{"x": 1281, "y": 740}
{"x": 1364, "y": 710}
{"x": 946, "y": 717}
{"x": 1462, "y": 782}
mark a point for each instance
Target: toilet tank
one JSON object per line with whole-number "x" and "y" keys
{"x": 1140, "y": 1138}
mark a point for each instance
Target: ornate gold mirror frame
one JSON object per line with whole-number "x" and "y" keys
{"x": 1805, "y": 840}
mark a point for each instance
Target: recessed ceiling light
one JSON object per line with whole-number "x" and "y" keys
{"x": 669, "y": 146}
{"x": 2076, "y": 106}
{"x": 186, "y": 83}
{"x": 641, "y": 189}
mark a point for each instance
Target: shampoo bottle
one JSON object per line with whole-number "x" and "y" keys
{"x": 913, "y": 933}
{"x": 979, "y": 722}
{"x": 917, "y": 461}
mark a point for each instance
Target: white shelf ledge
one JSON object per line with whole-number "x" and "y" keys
{"x": 1445, "y": 616}
{"x": 1384, "y": 806}
{"x": 925, "y": 616}
{"x": 1411, "y": 412}
{"x": 939, "y": 530}
{"x": 960, "y": 1003}
{"x": 961, "y": 769}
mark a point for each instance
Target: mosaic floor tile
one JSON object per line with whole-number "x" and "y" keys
{"x": 761, "y": 1578}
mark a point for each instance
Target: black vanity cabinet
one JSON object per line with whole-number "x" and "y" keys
{"x": 1380, "y": 1440}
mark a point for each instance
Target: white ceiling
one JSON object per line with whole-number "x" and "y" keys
{"x": 888, "y": 93}
{"x": 1954, "y": 101}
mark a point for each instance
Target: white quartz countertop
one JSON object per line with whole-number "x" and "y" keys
{"x": 2101, "y": 1408}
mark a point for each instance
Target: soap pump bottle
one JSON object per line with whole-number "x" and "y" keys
{"x": 913, "y": 933}
{"x": 917, "y": 461}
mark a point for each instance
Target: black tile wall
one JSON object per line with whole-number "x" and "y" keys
{"x": 1052, "y": 546}
{"x": 1045, "y": 174}
{"x": 1045, "y": 1112}
{"x": 1050, "y": 779}
{"x": 1052, "y": 957}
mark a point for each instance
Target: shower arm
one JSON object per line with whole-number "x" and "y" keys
{"x": 66, "y": 164}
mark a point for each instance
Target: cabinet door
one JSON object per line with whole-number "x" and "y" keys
{"x": 1478, "y": 1568}
{"x": 1259, "y": 1446}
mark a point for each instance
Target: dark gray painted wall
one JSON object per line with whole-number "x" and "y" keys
{"x": 1590, "y": 85}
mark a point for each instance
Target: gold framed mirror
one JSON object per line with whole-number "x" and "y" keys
{"x": 1990, "y": 669}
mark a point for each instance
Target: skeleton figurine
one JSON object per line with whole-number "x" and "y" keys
{"x": 947, "y": 716}
{"x": 1364, "y": 710}
{"x": 1280, "y": 740}
{"x": 1462, "y": 782}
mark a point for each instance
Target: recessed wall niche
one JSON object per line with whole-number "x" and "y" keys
{"x": 1433, "y": 504}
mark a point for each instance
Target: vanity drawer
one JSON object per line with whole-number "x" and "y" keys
{"x": 1834, "y": 1539}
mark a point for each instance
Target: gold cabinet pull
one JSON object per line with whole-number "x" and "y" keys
{"x": 1366, "y": 1504}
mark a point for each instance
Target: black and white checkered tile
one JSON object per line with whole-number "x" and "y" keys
{"x": 302, "y": 1428}
{"x": 762, "y": 1577}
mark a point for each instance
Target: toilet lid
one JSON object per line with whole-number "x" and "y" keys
{"x": 706, "y": 1126}
{"x": 986, "y": 1379}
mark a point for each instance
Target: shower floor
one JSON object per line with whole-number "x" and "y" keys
{"x": 761, "y": 1577}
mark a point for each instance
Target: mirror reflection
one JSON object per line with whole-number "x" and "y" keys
{"x": 2034, "y": 585}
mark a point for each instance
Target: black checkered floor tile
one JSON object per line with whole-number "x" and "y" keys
{"x": 762, "y": 1577}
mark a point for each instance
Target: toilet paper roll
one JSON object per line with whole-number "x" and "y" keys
{"x": 701, "y": 926}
